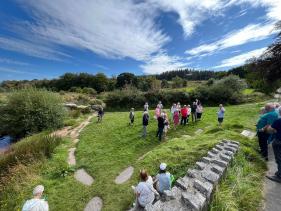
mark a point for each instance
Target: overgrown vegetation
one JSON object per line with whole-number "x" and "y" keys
{"x": 29, "y": 110}
{"x": 28, "y": 150}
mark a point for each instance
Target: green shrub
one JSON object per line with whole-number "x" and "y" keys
{"x": 30, "y": 111}
{"x": 75, "y": 113}
{"x": 29, "y": 149}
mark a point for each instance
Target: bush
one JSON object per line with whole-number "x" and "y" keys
{"x": 227, "y": 90}
{"x": 29, "y": 149}
{"x": 30, "y": 111}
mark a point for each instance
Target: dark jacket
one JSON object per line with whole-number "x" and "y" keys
{"x": 161, "y": 122}
{"x": 145, "y": 119}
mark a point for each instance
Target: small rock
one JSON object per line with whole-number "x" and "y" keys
{"x": 124, "y": 175}
{"x": 94, "y": 205}
{"x": 82, "y": 176}
{"x": 198, "y": 131}
{"x": 217, "y": 169}
{"x": 248, "y": 134}
{"x": 71, "y": 156}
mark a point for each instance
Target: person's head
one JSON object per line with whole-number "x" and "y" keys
{"x": 162, "y": 168}
{"x": 188, "y": 106}
{"x": 269, "y": 107}
{"x": 146, "y": 103}
{"x": 221, "y": 105}
{"x": 38, "y": 191}
{"x": 277, "y": 105}
{"x": 185, "y": 106}
{"x": 162, "y": 114}
{"x": 160, "y": 102}
{"x": 132, "y": 109}
{"x": 174, "y": 105}
{"x": 143, "y": 175}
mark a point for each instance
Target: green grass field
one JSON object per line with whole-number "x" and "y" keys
{"x": 108, "y": 148}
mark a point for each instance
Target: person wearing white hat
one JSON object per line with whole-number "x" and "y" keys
{"x": 163, "y": 179}
{"x": 37, "y": 203}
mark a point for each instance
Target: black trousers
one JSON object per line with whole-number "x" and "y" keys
{"x": 276, "y": 145}
{"x": 159, "y": 133}
{"x": 263, "y": 137}
{"x": 183, "y": 120}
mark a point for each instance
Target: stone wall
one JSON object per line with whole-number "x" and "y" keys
{"x": 195, "y": 189}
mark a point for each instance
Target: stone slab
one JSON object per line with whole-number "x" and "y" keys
{"x": 94, "y": 205}
{"x": 124, "y": 175}
{"x": 71, "y": 160}
{"x": 197, "y": 132}
{"x": 82, "y": 176}
{"x": 248, "y": 133}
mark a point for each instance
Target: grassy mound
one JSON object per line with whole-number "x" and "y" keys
{"x": 108, "y": 148}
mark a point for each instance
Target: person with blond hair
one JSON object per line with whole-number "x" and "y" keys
{"x": 37, "y": 203}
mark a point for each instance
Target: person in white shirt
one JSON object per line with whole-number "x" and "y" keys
{"x": 220, "y": 114}
{"x": 37, "y": 203}
{"x": 145, "y": 193}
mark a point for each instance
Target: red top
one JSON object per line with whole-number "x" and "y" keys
{"x": 184, "y": 112}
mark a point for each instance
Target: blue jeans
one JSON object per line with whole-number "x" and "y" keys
{"x": 276, "y": 145}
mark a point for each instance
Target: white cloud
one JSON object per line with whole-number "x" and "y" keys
{"x": 250, "y": 33}
{"x": 12, "y": 62}
{"x": 31, "y": 49}
{"x": 240, "y": 59}
{"x": 112, "y": 28}
{"x": 191, "y": 12}
{"x": 161, "y": 63}
{"x": 9, "y": 70}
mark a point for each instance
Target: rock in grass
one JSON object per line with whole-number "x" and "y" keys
{"x": 94, "y": 205}
{"x": 248, "y": 134}
{"x": 82, "y": 176}
{"x": 124, "y": 175}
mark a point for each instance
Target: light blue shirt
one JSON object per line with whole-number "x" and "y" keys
{"x": 221, "y": 113}
{"x": 164, "y": 180}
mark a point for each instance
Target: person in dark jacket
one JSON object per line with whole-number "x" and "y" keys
{"x": 161, "y": 125}
{"x": 193, "y": 112}
{"x": 145, "y": 120}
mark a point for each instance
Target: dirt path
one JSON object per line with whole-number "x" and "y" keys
{"x": 272, "y": 190}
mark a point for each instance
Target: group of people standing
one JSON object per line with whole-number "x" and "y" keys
{"x": 269, "y": 131}
{"x": 179, "y": 115}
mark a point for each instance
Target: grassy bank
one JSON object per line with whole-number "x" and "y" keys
{"x": 108, "y": 148}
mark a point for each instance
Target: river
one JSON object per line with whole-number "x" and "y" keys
{"x": 5, "y": 142}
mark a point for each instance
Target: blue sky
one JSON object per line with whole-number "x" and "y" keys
{"x": 44, "y": 39}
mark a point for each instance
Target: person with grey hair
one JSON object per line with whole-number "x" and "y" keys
{"x": 266, "y": 119}
{"x": 275, "y": 129}
{"x": 37, "y": 203}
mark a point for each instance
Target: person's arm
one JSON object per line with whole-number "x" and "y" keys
{"x": 269, "y": 129}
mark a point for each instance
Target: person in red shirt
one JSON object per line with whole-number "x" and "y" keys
{"x": 184, "y": 113}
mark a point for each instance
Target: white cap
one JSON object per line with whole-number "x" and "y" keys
{"x": 38, "y": 189}
{"x": 163, "y": 166}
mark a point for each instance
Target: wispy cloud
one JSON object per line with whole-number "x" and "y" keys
{"x": 31, "y": 49}
{"x": 10, "y": 70}
{"x": 12, "y": 62}
{"x": 250, "y": 33}
{"x": 112, "y": 28}
{"x": 240, "y": 59}
{"x": 161, "y": 63}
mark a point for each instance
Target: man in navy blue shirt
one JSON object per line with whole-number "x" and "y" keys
{"x": 275, "y": 128}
